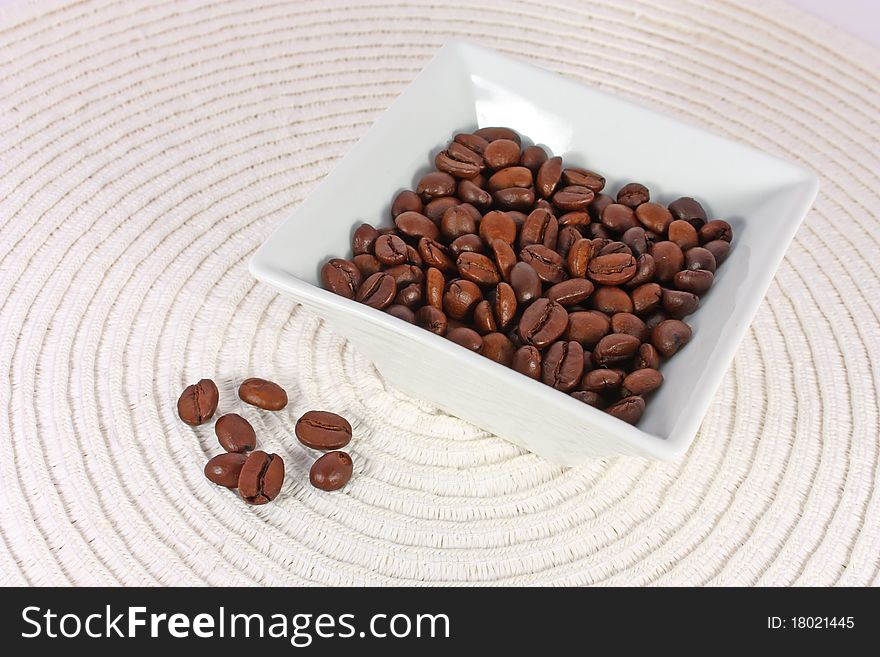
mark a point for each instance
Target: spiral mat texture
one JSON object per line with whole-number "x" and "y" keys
{"x": 149, "y": 148}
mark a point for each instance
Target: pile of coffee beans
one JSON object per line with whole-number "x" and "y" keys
{"x": 510, "y": 253}
{"x": 258, "y": 476}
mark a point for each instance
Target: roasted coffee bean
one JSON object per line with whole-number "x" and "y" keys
{"x": 684, "y": 234}
{"x": 615, "y": 348}
{"x": 410, "y": 295}
{"x": 505, "y": 305}
{"x": 472, "y": 142}
{"x": 478, "y": 268}
{"x": 341, "y": 277}
{"x": 527, "y": 360}
{"x": 601, "y": 380}
{"x": 391, "y": 250}
{"x": 432, "y": 319}
{"x": 434, "y": 185}
{"x": 642, "y": 382}
{"x": 323, "y": 430}
{"x": 678, "y": 303}
{"x": 498, "y": 226}
{"x": 434, "y": 209}
{"x": 471, "y": 243}
{"x": 574, "y": 219}
{"x": 261, "y": 477}
{"x": 457, "y": 221}
{"x": 654, "y": 217}
{"x": 460, "y": 298}
{"x": 510, "y": 177}
{"x": 498, "y": 347}
{"x": 533, "y": 157}
{"x": 494, "y": 133}
{"x": 719, "y": 250}
{"x": 563, "y": 365}
{"x": 573, "y": 198}
{"x": 578, "y": 259}
{"x": 570, "y": 292}
{"x": 435, "y": 285}
{"x": 697, "y": 281}
{"x": 645, "y": 269}
{"x": 542, "y": 323}
{"x": 593, "y": 399}
{"x": 466, "y": 337}
{"x": 646, "y": 298}
{"x": 619, "y": 217}
{"x": 610, "y": 299}
{"x": 655, "y": 318}
{"x": 401, "y": 312}
{"x": 363, "y": 239}
{"x": 633, "y": 195}
{"x": 716, "y": 229}
{"x": 630, "y": 325}
{"x": 583, "y": 178}
{"x": 234, "y": 433}
{"x": 597, "y": 207}
{"x": 224, "y": 469}
{"x": 595, "y": 230}
{"x": 413, "y": 257}
{"x": 525, "y": 283}
{"x": 587, "y": 327}
{"x": 615, "y": 247}
{"x": 468, "y": 192}
{"x": 611, "y": 269}
{"x": 669, "y": 336}
{"x": 406, "y": 201}
{"x": 668, "y": 260}
{"x": 378, "y": 291}
{"x": 367, "y": 264}
{"x": 331, "y": 472}
{"x": 262, "y": 393}
{"x": 198, "y": 402}
{"x": 548, "y": 177}
{"x": 505, "y": 258}
{"x": 448, "y": 162}
{"x": 628, "y": 409}
{"x": 636, "y": 240}
{"x": 700, "y": 258}
{"x": 484, "y": 319}
{"x": 502, "y": 153}
{"x": 515, "y": 198}
{"x": 566, "y": 238}
{"x": 540, "y": 227}
{"x": 689, "y": 210}
{"x": 434, "y": 254}
{"x": 647, "y": 358}
{"x": 547, "y": 263}
{"x": 416, "y": 225}
{"x": 405, "y": 275}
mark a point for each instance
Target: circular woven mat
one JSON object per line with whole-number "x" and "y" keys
{"x": 148, "y": 149}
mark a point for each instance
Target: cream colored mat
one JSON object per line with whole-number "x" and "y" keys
{"x": 149, "y": 148}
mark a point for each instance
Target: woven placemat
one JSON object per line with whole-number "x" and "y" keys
{"x": 147, "y": 149}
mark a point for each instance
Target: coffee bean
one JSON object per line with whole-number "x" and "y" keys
{"x": 669, "y": 336}
{"x": 612, "y": 269}
{"x": 655, "y": 318}
{"x": 457, "y": 221}
{"x": 472, "y": 142}
{"x": 401, "y": 312}
{"x": 435, "y": 208}
{"x": 716, "y": 230}
{"x": 432, "y": 319}
{"x": 410, "y": 296}
{"x": 601, "y": 380}
{"x": 378, "y": 291}
{"x": 719, "y": 250}
{"x": 542, "y": 323}
{"x": 668, "y": 260}
{"x": 434, "y": 185}
{"x": 533, "y": 157}
{"x": 261, "y": 477}
{"x": 262, "y": 393}
{"x": 435, "y": 285}
{"x": 646, "y": 298}
{"x": 509, "y": 177}
{"x": 331, "y": 471}
{"x": 323, "y": 430}
{"x": 563, "y": 365}
{"x": 547, "y": 263}
{"x": 505, "y": 258}
{"x": 367, "y": 264}
{"x": 689, "y": 210}
{"x": 224, "y": 469}
{"x": 477, "y": 268}
{"x": 647, "y": 358}
{"x": 466, "y": 337}
{"x": 595, "y": 230}
{"x": 540, "y": 227}
{"x": 700, "y": 258}
{"x": 654, "y": 217}
{"x": 615, "y": 247}
{"x": 630, "y": 325}
{"x": 498, "y": 347}
{"x": 363, "y": 239}
{"x": 471, "y": 243}
{"x": 615, "y": 348}
{"x": 457, "y": 163}
{"x": 619, "y": 218}
{"x": 635, "y": 239}
{"x": 391, "y": 250}
{"x": 468, "y": 192}
{"x": 679, "y": 304}
{"x": 593, "y": 399}
{"x": 484, "y": 319}
{"x": 505, "y": 305}
{"x": 416, "y": 225}
{"x": 494, "y": 133}
{"x": 197, "y": 402}
{"x": 413, "y": 257}
{"x": 502, "y": 153}
{"x": 597, "y": 207}
{"x": 404, "y": 275}
{"x": 583, "y": 178}
{"x": 587, "y": 327}
{"x": 498, "y": 226}
{"x": 642, "y": 382}
{"x": 234, "y": 433}
{"x": 576, "y": 219}
{"x": 573, "y": 198}
{"x": 341, "y": 277}
{"x": 697, "y": 281}
{"x": 515, "y": 198}
{"x": 566, "y": 238}
{"x": 527, "y": 360}
{"x": 628, "y": 409}
{"x": 579, "y": 257}
{"x": 633, "y": 195}
{"x": 684, "y": 234}
{"x": 548, "y": 177}
{"x": 460, "y": 298}
{"x": 406, "y": 201}
{"x": 434, "y": 254}
{"x": 570, "y": 292}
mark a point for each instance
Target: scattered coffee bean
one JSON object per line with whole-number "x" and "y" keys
{"x": 261, "y": 477}
{"x": 323, "y": 430}
{"x": 198, "y": 402}
{"x": 264, "y": 394}
{"x": 234, "y": 433}
{"x": 331, "y": 472}
{"x": 224, "y": 469}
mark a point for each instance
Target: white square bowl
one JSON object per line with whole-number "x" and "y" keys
{"x": 465, "y": 87}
